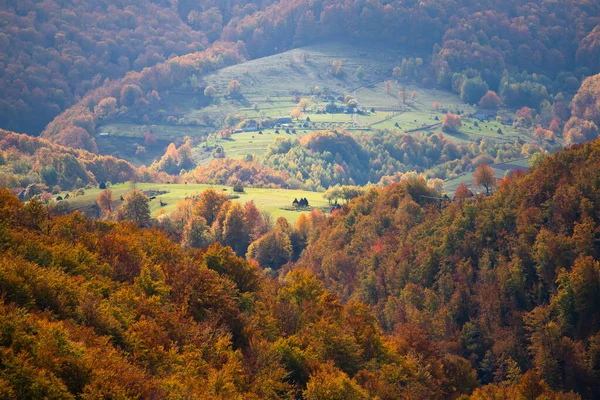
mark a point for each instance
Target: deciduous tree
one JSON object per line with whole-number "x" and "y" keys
{"x": 234, "y": 88}
{"x": 105, "y": 201}
{"x": 484, "y": 176}
{"x": 136, "y": 208}
{"x": 451, "y": 123}
{"x": 490, "y": 100}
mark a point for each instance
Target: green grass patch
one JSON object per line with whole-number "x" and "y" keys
{"x": 271, "y": 200}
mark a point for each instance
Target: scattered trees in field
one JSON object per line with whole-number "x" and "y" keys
{"x": 210, "y": 91}
{"x": 303, "y": 104}
{"x": 389, "y": 87}
{"x": 360, "y": 73}
{"x": 296, "y": 113}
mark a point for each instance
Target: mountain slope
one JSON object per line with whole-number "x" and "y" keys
{"x": 494, "y": 298}
{"x": 53, "y": 52}
{"x": 513, "y": 279}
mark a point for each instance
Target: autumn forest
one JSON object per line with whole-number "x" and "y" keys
{"x": 293, "y": 199}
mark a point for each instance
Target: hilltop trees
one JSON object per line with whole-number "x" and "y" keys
{"x": 196, "y": 233}
{"x": 583, "y": 126}
{"x": 130, "y": 94}
{"x": 520, "y": 257}
{"x": 462, "y": 193}
{"x": 209, "y": 205}
{"x": 105, "y": 107}
{"x": 272, "y": 250}
{"x": 579, "y": 131}
{"x": 234, "y": 231}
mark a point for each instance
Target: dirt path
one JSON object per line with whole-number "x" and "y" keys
{"x": 354, "y": 116}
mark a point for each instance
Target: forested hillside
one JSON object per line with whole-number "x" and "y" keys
{"x": 490, "y": 297}
{"x": 510, "y": 282}
{"x": 44, "y": 167}
{"x": 53, "y": 52}
{"x": 323, "y": 159}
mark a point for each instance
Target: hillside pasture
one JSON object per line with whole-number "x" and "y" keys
{"x": 270, "y": 88}
{"x": 276, "y": 202}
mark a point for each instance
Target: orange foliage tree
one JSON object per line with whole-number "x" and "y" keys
{"x": 451, "y": 123}
{"x": 484, "y": 176}
{"x": 105, "y": 201}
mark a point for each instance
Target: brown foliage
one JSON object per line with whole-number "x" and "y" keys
{"x": 451, "y": 123}
{"x": 490, "y": 100}
{"x": 105, "y": 201}
{"x": 484, "y": 176}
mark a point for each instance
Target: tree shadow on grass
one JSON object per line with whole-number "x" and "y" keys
{"x": 458, "y": 135}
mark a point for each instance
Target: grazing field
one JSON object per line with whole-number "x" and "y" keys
{"x": 270, "y": 88}
{"x": 244, "y": 143}
{"x": 275, "y": 201}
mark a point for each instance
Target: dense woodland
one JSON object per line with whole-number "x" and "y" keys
{"x": 53, "y": 52}
{"x": 491, "y": 297}
{"x": 509, "y": 281}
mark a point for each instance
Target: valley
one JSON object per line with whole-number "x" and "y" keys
{"x": 300, "y": 199}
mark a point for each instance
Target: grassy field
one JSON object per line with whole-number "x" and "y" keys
{"x": 244, "y": 143}
{"x": 270, "y": 200}
{"x": 268, "y": 87}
